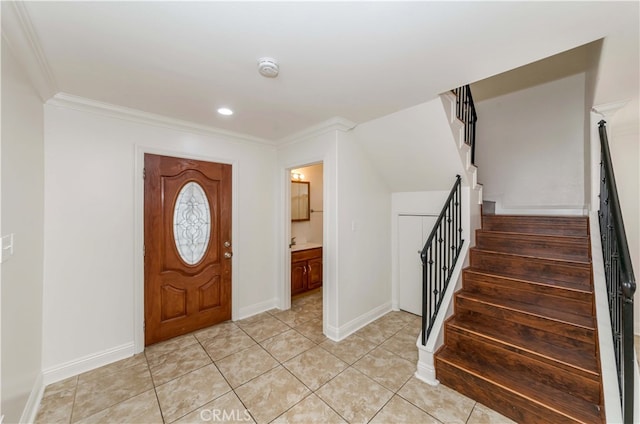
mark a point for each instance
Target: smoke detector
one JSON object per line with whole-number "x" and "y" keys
{"x": 268, "y": 67}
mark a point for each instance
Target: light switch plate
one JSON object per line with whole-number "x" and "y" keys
{"x": 7, "y": 247}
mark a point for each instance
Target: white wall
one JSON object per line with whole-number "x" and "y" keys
{"x": 356, "y": 235}
{"x": 530, "y": 148}
{"x": 320, "y": 146}
{"x": 93, "y": 229}
{"x": 413, "y": 149}
{"x": 311, "y": 231}
{"x": 625, "y": 155}
{"x": 22, "y": 214}
{"x": 364, "y": 237}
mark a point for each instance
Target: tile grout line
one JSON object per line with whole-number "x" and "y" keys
{"x": 73, "y": 404}
{"x": 71, "y": 420}
{"x": 314, "y": 392}
{"x": 407, "y": 400}
{"x": 212, "y": 363}
{"x": 279, "y": 363}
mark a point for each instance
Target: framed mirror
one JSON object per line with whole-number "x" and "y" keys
{"x": 300, "y": 191}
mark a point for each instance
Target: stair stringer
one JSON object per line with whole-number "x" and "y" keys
{"x": 470, "y": 170}
{"x": 426, "y": 370}
{"x": 464, "y": 150}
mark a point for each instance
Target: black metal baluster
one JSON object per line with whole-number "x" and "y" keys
{"x": 439, "y": 257}
{"x": 433, "y": 286}
{"x": 440, "y": 270}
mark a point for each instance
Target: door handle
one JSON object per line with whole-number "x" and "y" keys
{"x": 228, "y": 255}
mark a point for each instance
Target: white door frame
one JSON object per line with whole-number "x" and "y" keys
{"x": 285, "y": 290}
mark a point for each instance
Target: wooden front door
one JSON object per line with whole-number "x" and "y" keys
{"x": 187, "y": 237}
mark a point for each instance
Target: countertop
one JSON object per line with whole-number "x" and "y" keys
{"x": 305, "y": 246}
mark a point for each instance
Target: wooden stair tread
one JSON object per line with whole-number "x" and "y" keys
{"x": 527, "y": 340}
{"x": 559, "y": 287}
{"x": 538, "y": 245}
{"x": 536, "y": 310}
{"x": 555, "y": 297}
{"x": 567, "y": 259}
{"x": 538, "y": 224}
{"x": 535, "y": 236}
{"x": 557, "y": 260}
{"x": 515, "y": 381}
{"x": 568, "y": 273}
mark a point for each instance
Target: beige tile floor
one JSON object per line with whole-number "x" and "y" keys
{"x": 274, "y": 367}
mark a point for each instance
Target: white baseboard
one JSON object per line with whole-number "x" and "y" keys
{"x": 87, "y": 363}
{"x": 339, "y": 333}
{"x": 256, "y": 308}
{"x": 507, "y": 208}
{"x": 332, "y": 333}
{"x": 33, "y": 402}
{"x": 542, "y": 211}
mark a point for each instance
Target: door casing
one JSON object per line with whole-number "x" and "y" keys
{"x": 285, "y": 290}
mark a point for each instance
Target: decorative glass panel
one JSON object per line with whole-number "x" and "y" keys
{"x": 192, "y": 223}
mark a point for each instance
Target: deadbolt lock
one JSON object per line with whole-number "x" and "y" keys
{"x": 227, "y": 244}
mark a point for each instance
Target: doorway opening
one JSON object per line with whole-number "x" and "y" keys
{"x": 306, "y": 245}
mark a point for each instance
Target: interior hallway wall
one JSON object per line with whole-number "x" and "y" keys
{"x": 90, "y": 236}
{"x": 530, "y": 147}
{"x": 364, "y": 237}
{"x": 22, "y": 177}
{"x": 624, "y": 144}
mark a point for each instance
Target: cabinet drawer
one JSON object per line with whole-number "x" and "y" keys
{"x": 303, "y": 255}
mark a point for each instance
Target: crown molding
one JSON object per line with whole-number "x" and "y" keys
{"x": 607, "y": 110}
{"x": 83, "y": 104}
{"x": 334, "y": 124}
{"x": 24, "y": 43}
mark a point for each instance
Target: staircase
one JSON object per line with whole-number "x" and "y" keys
{"x": 523, "y": 339}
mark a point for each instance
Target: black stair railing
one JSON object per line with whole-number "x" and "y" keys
{"x": 621, "y": 283}
{"x": 466, "y": 112}
{"x": 439, "y": 257}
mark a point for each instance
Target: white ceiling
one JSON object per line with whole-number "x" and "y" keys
{"x": 356, "y": 60}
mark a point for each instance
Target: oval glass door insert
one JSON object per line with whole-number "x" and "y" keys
{"x": 191, "y": 223}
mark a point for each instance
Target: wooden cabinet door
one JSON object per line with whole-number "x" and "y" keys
{"x": 187, "y": 233}
{"x": 298, "y": 277}
{"x": 315, "y": 273}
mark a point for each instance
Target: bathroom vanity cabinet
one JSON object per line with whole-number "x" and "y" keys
{"x": 306, "y": 270}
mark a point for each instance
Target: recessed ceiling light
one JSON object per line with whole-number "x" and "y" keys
{"x": 225, "y": 111}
